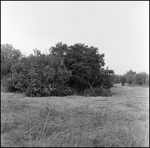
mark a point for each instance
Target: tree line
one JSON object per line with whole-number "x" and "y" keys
{"x": 131, "y": 78}
{"x": 65, "y": 70}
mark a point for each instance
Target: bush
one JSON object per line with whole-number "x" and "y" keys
{"x": 123, "y": 80}
{"x": 7, "y": 84}
{"x": 97, "y": 92}
{"x": 35, "y": 91}
{"x": 14, "y": 83}
{"x": 65, "y": 91}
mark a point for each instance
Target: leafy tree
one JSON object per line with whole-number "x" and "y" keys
{"x": 141, "y": 79}
{"x": 130, "y": 76}
{"x": 59, "y": 49}
{"x": 85, "y": 63}
{"x": 123, "y": 80}
{"x": 118, "y": 78}
{"x": 9, "y": 55}
{"x": 115, "y": 79}
{"x": 39, "y": 75}
{"x": 77, "y": 67}
{"x": 137, "y": 78}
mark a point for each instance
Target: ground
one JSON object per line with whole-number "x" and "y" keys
{"x": 121, "y": 120}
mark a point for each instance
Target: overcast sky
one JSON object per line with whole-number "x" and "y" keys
{"x": 120, "y": 30}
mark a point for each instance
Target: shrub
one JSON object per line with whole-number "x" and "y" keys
{"x": 7, "y": 83}
{"x": 123, "y": 80}
{"x": 44, "y": 91}
{"x": 14, "y": 82}
{"x": 64, "y": 91}
{"x": 97, "y": 92}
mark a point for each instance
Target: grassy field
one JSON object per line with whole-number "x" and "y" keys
{"x": 121, "y": 120}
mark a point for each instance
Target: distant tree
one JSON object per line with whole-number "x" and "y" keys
{"x": 123, "y": 80}
{"x": 115, "y": 78}
{"x": 106, "y": 78}
{"x": 137, "y": 78}
{"x": 130, "y": 72}
{"x": 118, "y": 78}
{"x": 130, "y": 76}
{"x": 141, "y": 79}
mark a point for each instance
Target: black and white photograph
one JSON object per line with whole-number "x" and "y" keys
{"x": 74, "y": 73}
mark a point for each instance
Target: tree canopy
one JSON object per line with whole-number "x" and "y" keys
{"x": 133, "y": 78}
{"x": 61, "y": 72}
{"x": 85, "y": 63}
{"x": 9, "y": 55}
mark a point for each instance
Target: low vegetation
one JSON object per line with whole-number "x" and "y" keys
{"x": 117, "y": 121}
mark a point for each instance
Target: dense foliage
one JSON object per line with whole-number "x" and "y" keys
{"x": 9, "y": 55}
{"x": 86, "y": 65}
{"x": 65, "y": 70}
{"x": 123, "y": 80}
{"x": 134, "y": 78}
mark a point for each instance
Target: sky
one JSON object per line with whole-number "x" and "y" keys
{"x": 119, "y": 29}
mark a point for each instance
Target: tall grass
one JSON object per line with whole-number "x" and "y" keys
{"x": 24, "y": 125}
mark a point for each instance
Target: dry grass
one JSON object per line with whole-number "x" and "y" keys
{"x": 118, "y": 121}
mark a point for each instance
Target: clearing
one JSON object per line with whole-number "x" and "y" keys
{"x": 121, "y": 120}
